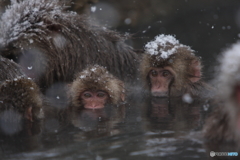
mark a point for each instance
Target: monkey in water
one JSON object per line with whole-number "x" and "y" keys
{"x": 95, "y": 87}
{"x": 171, "y": 69}
{"x": 52, "y": 44}
{"x": 18, "y": 92}
{"x": 222, "y": 127}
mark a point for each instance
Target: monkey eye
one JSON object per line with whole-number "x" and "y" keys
{"x": 87, "y": 95}
{"x": 154, "y": 73}
{"x": 101, "y": 94}
{"x": 165, "y": 73}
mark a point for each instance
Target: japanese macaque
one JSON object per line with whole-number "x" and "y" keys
{"x": 170, "y": 68}
{"x": 52, "y": 44}
{"x": 17, "y": 92}
{"x": 223, "y": 125}
{"x": 95, "y": 87}
{"x": 22, "y": 95}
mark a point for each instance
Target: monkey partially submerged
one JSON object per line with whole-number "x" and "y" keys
{"x": 171, "y": 69}
{"x": 223, "y": 125}
{"x": 19, "y": 93}
{"x": 52, "y": 44}
{"x": 22, "y": 95}
{"x": 94, "y": 87}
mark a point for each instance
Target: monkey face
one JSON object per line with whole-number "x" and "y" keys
{"x": 94, "y": 99}
{"x": 160, "y": 80}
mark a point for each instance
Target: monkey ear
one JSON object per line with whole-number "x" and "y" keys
{"x": 123, "y": 97}
{"x": 28, "y": 114}
{"x": 195, "y": 71}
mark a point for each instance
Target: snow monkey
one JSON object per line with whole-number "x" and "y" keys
{"x": 94, "y": 87}
{"x": 52, "y": 44}
{"x": 223, "y": 125}
{"x": 170, "y": 69}
{"x": 19, "y": 93}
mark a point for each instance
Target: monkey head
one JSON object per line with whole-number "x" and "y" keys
{"x": 94, "y": 87}
{"x": 169, "y": 68}
{"x": 22, "y": 95}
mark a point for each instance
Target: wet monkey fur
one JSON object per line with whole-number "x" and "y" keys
{"x": 52, "y": 44}
{"x": 223, "y": 125}
{"x": 9, "y": 70}
{"x": 94, "y": 87}
{"x": 23, "y": 96}
{"x": 19, "y": 93}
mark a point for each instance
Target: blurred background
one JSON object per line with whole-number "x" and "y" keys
{"x": 207, "y": 26}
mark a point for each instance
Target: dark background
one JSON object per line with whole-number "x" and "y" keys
{"x": 207, "y": 26}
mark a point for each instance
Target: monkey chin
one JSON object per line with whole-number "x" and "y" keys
{"x": 94, "y": 107}
{"x": 159, "y": 94}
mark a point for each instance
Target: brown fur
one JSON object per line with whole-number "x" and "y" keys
{"x": 222, "y": 126}
{"x": 9, "y": 70}
{"x": 20, "y": 94}
{"x": 17, "y": 91}
{"x": 219, "y": 131}
{"x": 96, "y": 78}
{"x": 217, "y": 128}
{"x": 180, "y": 62}
{"x": 63, "y": 43}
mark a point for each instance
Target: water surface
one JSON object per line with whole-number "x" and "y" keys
{"x": 143, "y": 128}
